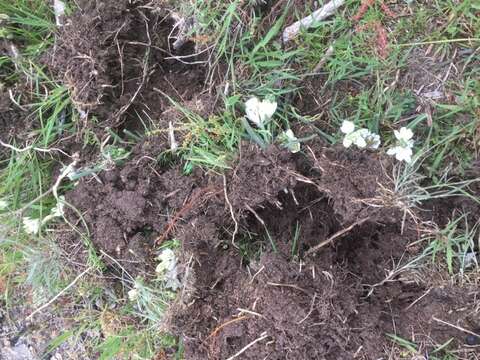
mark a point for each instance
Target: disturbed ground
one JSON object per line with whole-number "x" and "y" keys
{"x": 300, "y": 303}
{"x": 285, "y": 256}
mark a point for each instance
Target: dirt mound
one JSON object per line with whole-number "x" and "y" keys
{"x": 117, "y": 59}
{"x": 286, "y": 256}
{"x": 126, "y": 208}
{"x": 287, "y": 305}
{"x": 279, "y": 294}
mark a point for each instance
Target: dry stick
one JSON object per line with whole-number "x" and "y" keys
{"x": 325, "y": 11}
{"x": 216, "y": 331}
{"x": 182, "y": 212}
{"x": 310, "y": 311}
{"x": 455, "y": 327}
{"x": 145, "y": 64}
{"x": 289, "y": 286}
{"x": 333, "y": 237}
{"x": 262, "y": 337}
{"x": 324, "y": 59}
{"x": 60, "y": 293}
{"x": 31, "y": 147}
{"x": 235, "y": 231}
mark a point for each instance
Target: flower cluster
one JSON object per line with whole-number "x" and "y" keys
{"x": 260, "y": 113}
{"x": 361, "y": 138}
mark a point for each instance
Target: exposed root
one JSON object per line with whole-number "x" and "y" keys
{"x": 338, "y": 234}
{"x": 203, "y": 193}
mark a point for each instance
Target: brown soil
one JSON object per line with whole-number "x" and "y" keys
{"x": 14, "y": 123}
{"x": 113, "y": 57}
{"x": 326, "y": 306}
{"x": 272, "y": 295}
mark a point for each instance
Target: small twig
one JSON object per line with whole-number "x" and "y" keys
{"x": 310, "y": 311}
{"x": 262, "y": 337}
{"x": 12, "y": 99}
{"x": 258, "y": 272}
{"x": 183, "y": 211}
{"x": 324, "y": 59}
{"x": 420, "y": 298}
{"x": 217, "y": 329}
{"x": 289, "y": 286}
{"x": 333, "y": 237}
{"x": 455, "y": 327}
{"x": 31, "y": 147}
{"x": 249, "y": 208}
{"x": 246, "y": 311}
{"x": 325, "y": 11}
{"x": 60, "y": 293}
{"x": 235, "y": 231}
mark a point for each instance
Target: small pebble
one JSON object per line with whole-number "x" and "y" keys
{"x": 472, "y": 340}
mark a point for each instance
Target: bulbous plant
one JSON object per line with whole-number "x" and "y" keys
{"x": 260, "y": 113}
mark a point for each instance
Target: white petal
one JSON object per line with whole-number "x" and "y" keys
{"x": 347, "y": 141}
{"x": 3, "y": 204}
{"x": 31, "y": 226}
{"x": 373, "y": 141}
{"x": 290, "y": 135}
{"x": 392, "y": 151}
{"x": 404, "y": 154}
{"x": 252, "y": 111}
{"x": 168, "y": 261}
{"x": 291, "y": 141}
{"x": 405, "y": 134}
{"x": 59, "y": 10}
{"x": 347, "y": 127}
{"x": 397, "y": 134}
{"x": 360, "y": 142}
{"x": 133, "y": 294}
{"x": 267, "y": 109}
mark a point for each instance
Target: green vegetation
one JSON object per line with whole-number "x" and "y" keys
{"x": 245, "y": 58}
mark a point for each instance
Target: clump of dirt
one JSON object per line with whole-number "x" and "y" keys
{"x": 117, "y": 60}
{"x": 14, "y": 122}
{"x": 126, "y": 208}
{"x": 333, "y": 304}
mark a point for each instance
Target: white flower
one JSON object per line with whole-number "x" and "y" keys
{"x": 133, "y": 294}
{"x": 357, "y": 138}
{"x": 290, "y": 141}
{"x": 31, "y": 226}
{"x": 401, "y": 153}
{"x": 404, "y": 134}
{"x": 59, "y": 10}
{"x": 373, "y": 140}
{"x": 347, "y": 127}
{"x": 168, "y": 261}
{"x": 260, "y": 112}
{"x": 403, "y": 149}
{"x": 3, "y": 204}
{"x": 167, "y": 269}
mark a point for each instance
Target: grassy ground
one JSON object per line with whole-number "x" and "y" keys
{"x": 425, "y": 76}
